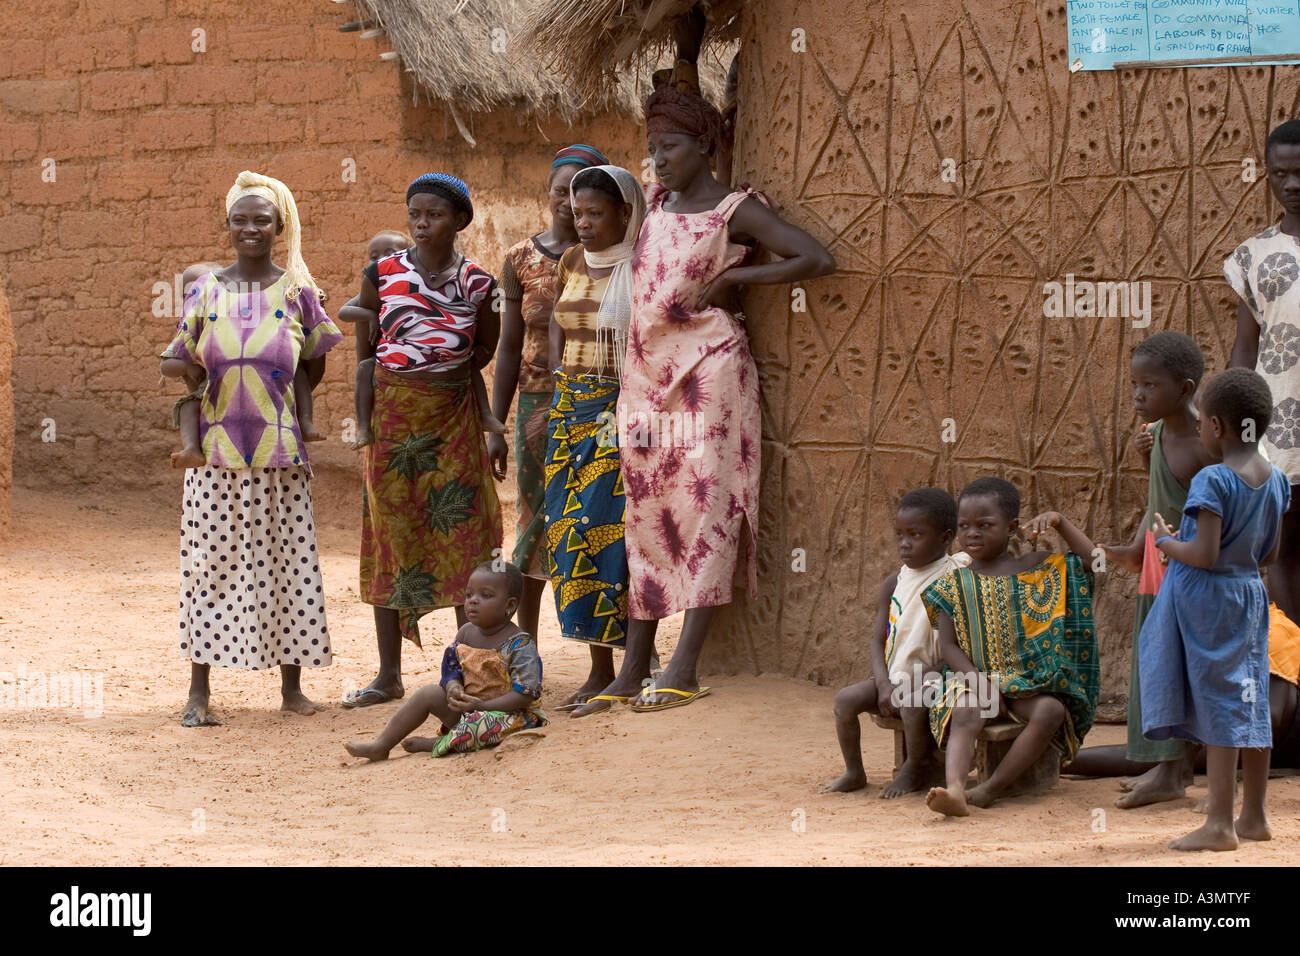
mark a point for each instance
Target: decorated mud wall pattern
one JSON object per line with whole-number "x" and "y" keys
{"x": 143, "y": 134}
{"x": 955, "y": 166}
{"x": 6, "y": 411}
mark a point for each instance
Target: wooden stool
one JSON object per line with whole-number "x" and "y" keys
{"x": 991, "y": 747}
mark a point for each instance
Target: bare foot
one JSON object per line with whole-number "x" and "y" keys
{"x": 196, "y": 713}
{"x": 981, "y": 795}
{"x": 364, "y": 437}
{"x": 310, "y": 432}
{"x": 490, "y": 424}
{"x": 846, "y": 782}
{"x": 188, "y": 457}
{"x": 942, "y": 800}
{"x": 369, "y": 751}
{"x": 912, "y": 777}
{"x": 1128, "y": 783}
{"x": 1147, "y": 792}
{"x": 1207, "y": 838}
{"x": 1252, "y": 829}
{"x": 298, "y": 703}
{"x": 419, "y": 745}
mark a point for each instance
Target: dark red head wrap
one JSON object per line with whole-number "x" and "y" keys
{"x": 670, "y": 109}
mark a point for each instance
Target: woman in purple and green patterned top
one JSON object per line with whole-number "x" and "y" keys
{"x": 251, "y": 593}
{"x": 528, "y": 281}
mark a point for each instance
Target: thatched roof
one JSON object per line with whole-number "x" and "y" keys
{"x": 588, "y": 40}
{"x": 454, "y": 49}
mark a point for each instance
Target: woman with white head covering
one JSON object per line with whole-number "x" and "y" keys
{"x": 251, "y": 593}
{"x": 522, "y": 367}
{"x": 584, "y": 490}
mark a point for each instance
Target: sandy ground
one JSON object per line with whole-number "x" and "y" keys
{"x": 89, "y": 585}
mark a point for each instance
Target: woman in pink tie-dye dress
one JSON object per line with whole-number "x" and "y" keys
{"x": 688, "y": 408}
{"x": 689, "y": 419}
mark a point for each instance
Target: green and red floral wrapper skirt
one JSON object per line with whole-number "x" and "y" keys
{"x": 430, "y": 513}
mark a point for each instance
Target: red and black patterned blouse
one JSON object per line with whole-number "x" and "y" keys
{"x": 421, "y": 328}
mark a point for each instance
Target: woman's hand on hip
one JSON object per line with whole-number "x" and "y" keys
{"x": 720, "y": 292}
{"x": 497, "y": 455}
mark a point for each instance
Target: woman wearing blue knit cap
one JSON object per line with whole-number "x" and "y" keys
{"x": 528, "y": 281}
{"x": 430, "y": 514}
{"x": 455, "y": 192}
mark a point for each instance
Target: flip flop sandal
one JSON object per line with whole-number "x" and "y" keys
{"x": 190, "y": 719}
{"x": 366, "y": 697}
{"x": 687, "y": 697}
{"x": 575, "y": 704}
{"x": 612, "y": 698}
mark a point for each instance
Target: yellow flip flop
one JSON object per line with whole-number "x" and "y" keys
{"x": 686, "y": 698}
{"x": 583, "y": 703}
{"x": 612, "y": 698}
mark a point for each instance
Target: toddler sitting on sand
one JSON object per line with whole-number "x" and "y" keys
{"x": 491, "y": 678}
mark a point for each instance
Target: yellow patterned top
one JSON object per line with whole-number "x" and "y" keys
{"x": 576, "y": 307}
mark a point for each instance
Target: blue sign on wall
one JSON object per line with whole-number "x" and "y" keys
{"x": 1103, "y": 33}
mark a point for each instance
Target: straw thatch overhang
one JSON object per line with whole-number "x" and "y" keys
{"x": 589, "y": 41}
{"x": 454, "y": 49}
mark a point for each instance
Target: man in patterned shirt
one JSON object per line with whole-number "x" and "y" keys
{"x": 1265, "y": 272}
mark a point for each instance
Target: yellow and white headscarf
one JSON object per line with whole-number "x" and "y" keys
{"x": 277, "y": 194}
{"x": 614, "y": 317}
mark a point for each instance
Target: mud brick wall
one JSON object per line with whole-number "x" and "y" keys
{"x": 937, "y": 310}
{"x": 935, "y": 315}
{"x": 6, "y": 411}
{"x": 145, "y": 136}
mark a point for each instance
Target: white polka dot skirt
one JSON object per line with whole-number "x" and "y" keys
{"x": 251, "y": 593}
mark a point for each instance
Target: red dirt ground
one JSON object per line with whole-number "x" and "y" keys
{"x": 89, "y": 584}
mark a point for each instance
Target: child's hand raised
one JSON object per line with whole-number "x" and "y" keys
{"x": 1047, "y": 521}
{"x": 1144, "y": 440}
{"x": 1123, "y": 555}
{"x": 1160, "y": 528}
